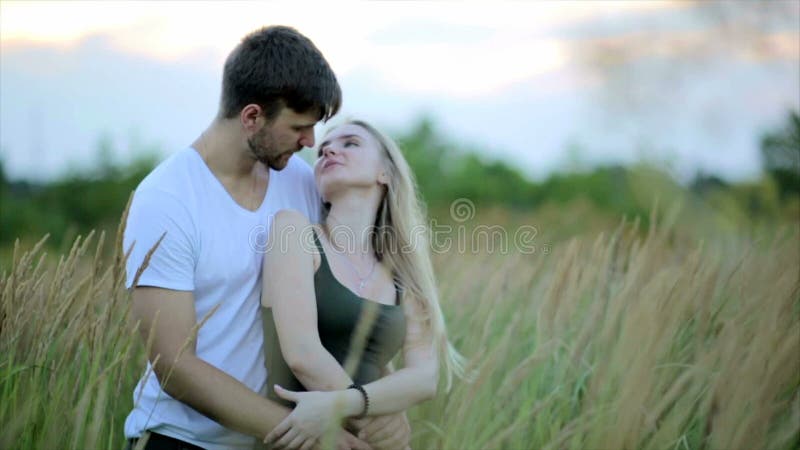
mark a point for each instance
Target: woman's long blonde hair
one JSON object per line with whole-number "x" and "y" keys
{"x": 401, "y": 239}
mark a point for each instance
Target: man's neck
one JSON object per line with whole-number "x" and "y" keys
{"x": 221, "y": 148}
{"x": 224, "y": 151}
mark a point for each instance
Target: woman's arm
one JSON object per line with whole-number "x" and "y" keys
{"x": 390, "y": 432}
{"x": 288, "y": 288}
{"x": 413, "y": 384}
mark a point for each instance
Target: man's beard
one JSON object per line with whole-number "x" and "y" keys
{"x": 262, "y": 149}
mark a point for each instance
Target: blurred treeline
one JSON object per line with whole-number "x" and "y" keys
{"x": 445, "y": 171}
{"x": 74, "y": 204}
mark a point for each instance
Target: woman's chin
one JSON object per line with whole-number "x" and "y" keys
{"x": 328, "y": 183}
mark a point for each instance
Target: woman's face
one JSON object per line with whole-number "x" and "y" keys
{"x": 348, "y": 157}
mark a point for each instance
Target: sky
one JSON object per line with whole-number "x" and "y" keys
{"x": 545, "y": 86}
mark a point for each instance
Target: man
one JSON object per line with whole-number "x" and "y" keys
{"x": 197, "y": 301}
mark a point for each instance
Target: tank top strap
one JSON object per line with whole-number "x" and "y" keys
{"x": 398, "y": 291}
{"x": 323, "y": 262}
{"x": 316, "y": 239}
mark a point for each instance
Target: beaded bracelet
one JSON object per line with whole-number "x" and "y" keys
{"x": 361, "y": 389}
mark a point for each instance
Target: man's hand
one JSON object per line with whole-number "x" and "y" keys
{"x": 389, "y": 432}
{"x": 347, "y": 441}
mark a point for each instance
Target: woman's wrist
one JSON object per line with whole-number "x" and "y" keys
{"x": 355, "y": 402}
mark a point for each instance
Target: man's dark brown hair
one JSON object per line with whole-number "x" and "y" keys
{"x": 277, "y": 66}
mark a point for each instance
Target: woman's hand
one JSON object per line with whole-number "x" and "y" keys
{"x": 312, "y": 414}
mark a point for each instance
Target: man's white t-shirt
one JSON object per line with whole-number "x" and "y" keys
{"x": 213, "y": 247}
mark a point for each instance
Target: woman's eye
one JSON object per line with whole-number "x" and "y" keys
{"x": 347, "y": 144}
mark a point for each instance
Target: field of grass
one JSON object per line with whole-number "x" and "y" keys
{"x": 609, "y": 336}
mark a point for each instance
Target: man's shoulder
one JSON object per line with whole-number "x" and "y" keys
{"x": 172, "y": 175}
{"x": 300, "y": 187}
{"x": 299, "y": 168}
{"x": 169, "y": 185}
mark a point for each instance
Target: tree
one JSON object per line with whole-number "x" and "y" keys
{"x": 780, "y": 153}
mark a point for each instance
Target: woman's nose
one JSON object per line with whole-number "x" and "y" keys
{"x": 328, "y": 150}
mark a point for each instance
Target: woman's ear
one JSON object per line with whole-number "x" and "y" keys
{"x": 383, "y": 178}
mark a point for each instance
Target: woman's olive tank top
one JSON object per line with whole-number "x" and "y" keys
{"x": 338, "y": 313}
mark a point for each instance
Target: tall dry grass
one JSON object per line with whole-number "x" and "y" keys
{"x": 626, "y": 342}
{"x": 68, "y": 358}
{"x": 628, "y": 339}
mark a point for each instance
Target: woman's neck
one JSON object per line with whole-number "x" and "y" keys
{"x": 350, "y": 223}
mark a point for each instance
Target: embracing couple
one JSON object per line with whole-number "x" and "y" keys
{"x": 278, "y": 294}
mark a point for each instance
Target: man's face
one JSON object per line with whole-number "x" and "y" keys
{"x": 286, "y": 134}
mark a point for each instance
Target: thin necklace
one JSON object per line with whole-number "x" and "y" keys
{"x": 362, "y": 281}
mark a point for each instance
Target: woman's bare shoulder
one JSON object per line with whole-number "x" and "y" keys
{"x": 290, "y": 217}
{"x": 292, "y": 234}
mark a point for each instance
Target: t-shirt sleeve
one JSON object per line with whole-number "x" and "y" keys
{"x": 312, "y": 201}
{"x": 171, "y": 266}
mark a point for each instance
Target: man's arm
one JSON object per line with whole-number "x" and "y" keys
{"x": 170, "y": 316}
{"x": 159, "y": 234}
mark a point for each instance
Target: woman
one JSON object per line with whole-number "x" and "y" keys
{"x": 351, "y": 292}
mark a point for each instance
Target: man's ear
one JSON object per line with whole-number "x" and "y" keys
{"x": 251, "y": 117}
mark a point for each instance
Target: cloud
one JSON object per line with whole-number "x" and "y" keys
{"x": 513, "y": 79}
{"x": 56, "y": 102}
{"x": 465, "y": 50}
